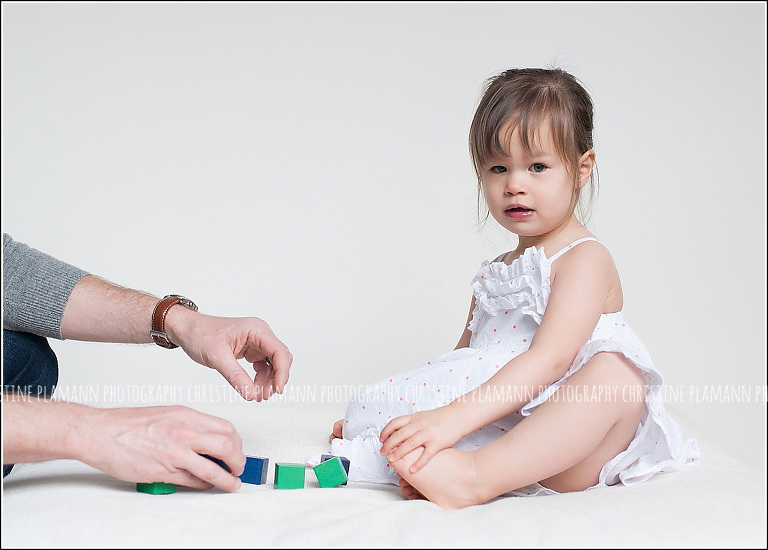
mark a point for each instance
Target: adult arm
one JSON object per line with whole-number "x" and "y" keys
{"x": 99, "y": 311}
{"x": 141, "y": 444}
{"x": 36, "y": 288}
{"x": 136, "y": 444}
{"x": 45, "y": 296}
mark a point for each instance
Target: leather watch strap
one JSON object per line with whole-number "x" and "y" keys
{"x": 158, "y": 318}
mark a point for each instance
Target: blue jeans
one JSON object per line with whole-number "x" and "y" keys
{"x": 29, "y": 367}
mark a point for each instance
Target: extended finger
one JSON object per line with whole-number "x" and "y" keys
{"x": 273, "y": 350}
{"x": 269, "y": 387}
{"x": 264, "y": 372}
{"x": 260, "y": 379}
{"x": 409, "y": 444}
{"x": 397, "y": 438}
{"x": 423, "y": 460}
{"x": 392, "y": 426}
{"x": 210, "y": 472}
{"x": 213, "y": 438}
{"x": 203, "y": 466}
{"x": 281, "y": 360}
{"x": 185, "y": 479}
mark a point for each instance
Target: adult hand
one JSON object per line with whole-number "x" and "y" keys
{"x": 434, "y": 430}
{"x": 99, "y": 311}
{"x": 220, "y": 342}
{"x": 164, "y": 444}
{"x": 136, "y": 444}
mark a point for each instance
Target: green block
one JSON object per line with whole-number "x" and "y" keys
{"x": 156, "y": 488}
{"x": 289, "y": 476}
{"x": 330, "y": 473}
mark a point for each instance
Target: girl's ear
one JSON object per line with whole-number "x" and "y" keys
{"x": 586, "y": 163}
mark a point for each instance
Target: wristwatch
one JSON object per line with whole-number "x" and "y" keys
{"x": 158, "y": 318}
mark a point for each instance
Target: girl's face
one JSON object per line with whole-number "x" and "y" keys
{"x": 532, "y": 193}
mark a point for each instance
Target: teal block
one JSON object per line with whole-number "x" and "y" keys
{"x": 344, "y": 462}
{"x": 156, "y": 488}
{"x": 330, "y": 473}
{"x": 289, "y": 476}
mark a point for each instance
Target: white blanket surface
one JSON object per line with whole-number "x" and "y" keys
{"x": 66, "y": 504}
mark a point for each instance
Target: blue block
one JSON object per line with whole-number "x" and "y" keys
{"x": 344, "y": 462}
{"x": 255, "y": 470}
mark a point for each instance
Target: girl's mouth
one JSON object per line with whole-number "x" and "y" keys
{"x": 518, "y": 212}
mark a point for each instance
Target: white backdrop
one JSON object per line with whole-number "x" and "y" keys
{"x": 308, "y": 164}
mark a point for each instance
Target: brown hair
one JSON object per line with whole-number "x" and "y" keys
{"x": 525, "y": 99}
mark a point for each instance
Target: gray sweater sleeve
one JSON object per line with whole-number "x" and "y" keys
{"x": 36, "y": 288}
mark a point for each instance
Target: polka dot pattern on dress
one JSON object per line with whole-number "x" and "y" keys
{"x": 510, "y": 303}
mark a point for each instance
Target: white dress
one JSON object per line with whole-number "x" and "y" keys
{"x": 509, "y": 304}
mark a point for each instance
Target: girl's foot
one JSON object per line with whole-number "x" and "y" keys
{"x": 449, "y": 479}
{"x": 409, "y": 491}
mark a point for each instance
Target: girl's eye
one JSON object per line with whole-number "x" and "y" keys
{"x": 538, "y": 167}
{"x": 498, "y": 169}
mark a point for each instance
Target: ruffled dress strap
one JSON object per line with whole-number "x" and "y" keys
{"x": 569, "y": 246}
{"x": 523, "y": 285}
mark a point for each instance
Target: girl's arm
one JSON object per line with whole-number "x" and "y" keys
{"x": 579, "y": 292}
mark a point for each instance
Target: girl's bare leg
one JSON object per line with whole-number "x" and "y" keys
{"x": 563, "y": 444}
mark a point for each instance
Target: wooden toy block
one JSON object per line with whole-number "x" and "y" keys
{"x": 344, "y": 462}
{"x": 289, "y": 476}
{"x": 255, "y": 470}
{"x": 330, "y": 473}
{"x": 156, "y": 488}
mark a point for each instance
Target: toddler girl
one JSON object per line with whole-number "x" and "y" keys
{"x": 548, "y": 389}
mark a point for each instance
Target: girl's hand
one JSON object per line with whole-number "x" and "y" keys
{"x": 336, "y": 434}
{"x": 434, "y": 430}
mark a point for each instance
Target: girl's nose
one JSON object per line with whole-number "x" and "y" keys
{"x": 514, "y": 186}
